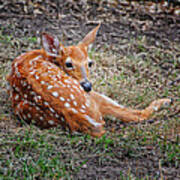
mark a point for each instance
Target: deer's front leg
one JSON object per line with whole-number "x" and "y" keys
{"x": 109, "y": 107}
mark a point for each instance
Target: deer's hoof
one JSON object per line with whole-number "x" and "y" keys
{"x": 168, "y": 102}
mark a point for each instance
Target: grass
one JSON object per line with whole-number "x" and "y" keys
{"x": 150, "y": 150}
{"x": 32, "y": 153}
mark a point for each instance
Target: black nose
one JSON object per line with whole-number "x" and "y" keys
{"x": 87, "y": 86}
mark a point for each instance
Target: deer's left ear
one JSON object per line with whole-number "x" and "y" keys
{"x": 50, "y": 44}
{"x": 90, "y": 37}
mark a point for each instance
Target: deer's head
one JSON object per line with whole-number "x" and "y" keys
{"x": 73, "y": 60}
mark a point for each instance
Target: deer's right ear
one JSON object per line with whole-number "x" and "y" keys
{"x": 90, "y": 37}
{"x": 50, "y": 44}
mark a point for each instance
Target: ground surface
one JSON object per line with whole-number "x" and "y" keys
{"x": 137, "y": 60}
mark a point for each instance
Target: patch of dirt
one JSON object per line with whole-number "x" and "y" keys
{"x": 72, "y": 19}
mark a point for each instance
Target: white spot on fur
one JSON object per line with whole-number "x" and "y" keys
{"x": 31, "y": 68}
{"x": 37, "y": 77}
{"x": 35, "y": 98}
{"x": 83, "y": 107}
{"x": 62, "y": 99}
{"x": 25, "y": 102}
{"x": 17, "y": 89}
{"x": 42, "y": 82}
{"x": 24, "y": 117}
{"x": 17, "y": 73}
{"x": 67, "y": 81}
{"x": 67, "y": 105}
{"x": 39, "y": 97}
{"x": 46, "y": 103}
{"x": 37, "y": 108}
{"x": 32, "y": 93}
{"x": 25, "y": 84}
{"x": 29, "y": 115}
{"x": 74, "y": 111}
{"x": 51, "y": 122}
{"x": 41, "y": 118}
{"x": 81, "y": 88}
{"x": 16, "y": 97}
{"x": 19, "y": 106}
{"x": 82, "y": 110}
{"x": 49, "y": 87}
{"x": 77, "y": 88}
{"x": 55, "y": 94}
{"x": 60, "y": 82}
{"x": 32, "y": 73}
{"x": 76, "y": 82}
{"x": 56, "y": 115}
{"x": 72, "y": 96}
{"x": 8, "y": 87}
{"x": 75, "y": 103}
{"x": 52, "y": 110}
{"x": 63, "y": 85}
{"x": 87, "y": 102}
{"x": 16, "y": 64}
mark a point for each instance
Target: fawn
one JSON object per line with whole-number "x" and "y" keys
{"x": 50, "y": 86}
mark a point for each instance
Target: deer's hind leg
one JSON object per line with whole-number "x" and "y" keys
{"x": 109, "y": 107}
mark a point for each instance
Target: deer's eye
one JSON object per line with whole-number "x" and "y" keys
{"x": 68, "y": 63}
{"x": 90, "y": 63}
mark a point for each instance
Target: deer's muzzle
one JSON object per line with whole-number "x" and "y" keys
{"x": 87, "y": 86}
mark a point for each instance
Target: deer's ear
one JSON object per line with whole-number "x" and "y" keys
{"x": 90, "y": 37}
{"x": 50, "y": 44}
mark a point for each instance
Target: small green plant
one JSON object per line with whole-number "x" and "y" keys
{"x": 32, "y": 39}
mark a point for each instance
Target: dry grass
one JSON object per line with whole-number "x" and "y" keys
{"x": 137, "y": 75}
